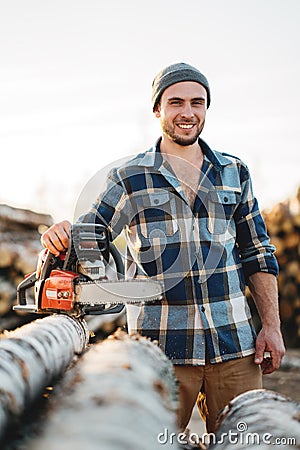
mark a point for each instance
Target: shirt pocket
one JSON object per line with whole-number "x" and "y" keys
{"x": 155, "y": 216}
{"x": 221, "y": 205}
{"x": 159, "y": 216}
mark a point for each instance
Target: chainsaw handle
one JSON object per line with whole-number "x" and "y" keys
{"x": 27, "y": 283}
{"x": 49, "y": 263}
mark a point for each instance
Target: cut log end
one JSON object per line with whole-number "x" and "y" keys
{"x": 258, "y": 418}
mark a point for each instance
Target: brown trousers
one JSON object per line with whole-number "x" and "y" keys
{"x": 219, "y": 382}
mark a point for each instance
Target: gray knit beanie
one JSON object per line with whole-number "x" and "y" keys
{"x": 175, "y": 74}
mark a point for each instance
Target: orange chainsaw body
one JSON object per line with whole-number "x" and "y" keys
{"x": 59, "y": 290}
{"x": 58, "y": 286}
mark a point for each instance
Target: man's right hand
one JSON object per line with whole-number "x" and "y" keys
{"x": 56, "y": 238}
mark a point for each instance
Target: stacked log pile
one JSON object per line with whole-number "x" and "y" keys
{"x": 283, "y": 224}
{"x": 20, "y": 232}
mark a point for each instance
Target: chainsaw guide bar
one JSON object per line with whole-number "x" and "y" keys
{"x": 134, "y": 291}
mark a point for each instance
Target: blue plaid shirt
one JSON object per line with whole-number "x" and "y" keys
{"x": 202, "y": 255}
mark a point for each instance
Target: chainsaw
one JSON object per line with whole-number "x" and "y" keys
{"x": 87, "y": 279}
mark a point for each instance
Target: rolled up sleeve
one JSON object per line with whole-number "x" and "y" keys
{"x": 256, "y": 251}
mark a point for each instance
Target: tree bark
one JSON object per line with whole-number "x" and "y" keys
{"x": 120, "y": 395}
{"x": 258, "y": 419}
{"x": 32, "y": 356}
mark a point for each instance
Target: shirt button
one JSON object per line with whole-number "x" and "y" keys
{"x": 156, "y": 201}
{"x": 202, "y": 308}
{"x": 225, "y": 199}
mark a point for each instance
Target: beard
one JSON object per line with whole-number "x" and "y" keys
{"x": 185, "y": 141}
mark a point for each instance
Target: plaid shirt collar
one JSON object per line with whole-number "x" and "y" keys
{"x": 153, "y": 158}
{"x": 213, "y": 164}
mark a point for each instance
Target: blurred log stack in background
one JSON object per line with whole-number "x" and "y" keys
{"x": 283, "y": 224}
{"x": 20, "y": 232}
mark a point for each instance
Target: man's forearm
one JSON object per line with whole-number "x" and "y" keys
{"x": 263, "y": 288}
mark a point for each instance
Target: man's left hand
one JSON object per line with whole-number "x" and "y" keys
{"x": 269, "y": 341}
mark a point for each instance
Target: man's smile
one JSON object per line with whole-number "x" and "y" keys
{"x": 185, "y": 126}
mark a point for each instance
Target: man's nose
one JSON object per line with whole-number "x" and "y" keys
{"x": 187, "y": 110}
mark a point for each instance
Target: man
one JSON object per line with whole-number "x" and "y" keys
{"x": 191, "y": 221}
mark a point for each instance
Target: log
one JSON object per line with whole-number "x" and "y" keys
{"x": 120, "y": 395}
{"x": 23, "y": 218}
{"x": 106, "y": 324}
{"x": 258, "y": 419}
{"x": 7, "y": 292}
{"x": 32, "y": 356}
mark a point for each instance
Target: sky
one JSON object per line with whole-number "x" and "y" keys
{"x": 75, "y": 90}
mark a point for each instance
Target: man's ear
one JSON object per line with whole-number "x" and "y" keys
{"x": 157, "y": 110}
